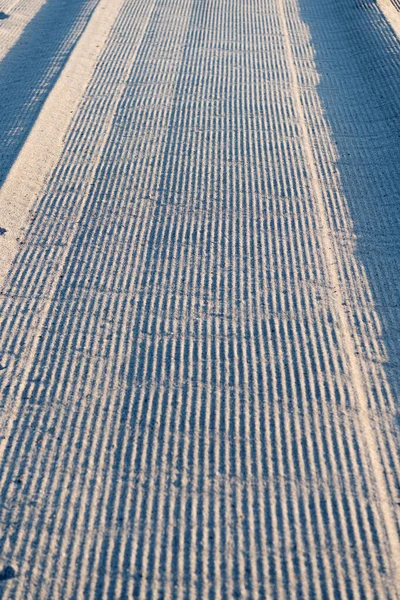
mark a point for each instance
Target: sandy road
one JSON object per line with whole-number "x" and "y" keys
{"x": 200, "y": 299}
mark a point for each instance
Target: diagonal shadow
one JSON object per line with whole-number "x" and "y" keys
{"x": 358, "y": 59}
{"x": 31, "y": 68}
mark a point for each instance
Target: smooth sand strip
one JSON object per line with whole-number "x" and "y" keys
{"x": 43, "y": 146}
{"x": 391, "y": 13}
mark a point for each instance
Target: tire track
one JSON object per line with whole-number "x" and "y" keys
{"x": 180, "y": 369}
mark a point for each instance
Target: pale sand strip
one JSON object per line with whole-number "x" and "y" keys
{"x": 391, "y": 13}
{"x": 43, "y": 146}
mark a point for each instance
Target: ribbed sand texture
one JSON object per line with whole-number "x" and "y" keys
{"x": 196, "y": 401}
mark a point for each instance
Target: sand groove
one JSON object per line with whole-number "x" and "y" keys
{"x": 195, "y": 401}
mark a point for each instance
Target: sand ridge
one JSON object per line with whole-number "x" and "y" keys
{"x": 195, "y": 394}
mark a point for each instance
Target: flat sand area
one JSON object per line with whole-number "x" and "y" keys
{"x": 199, "y": 299}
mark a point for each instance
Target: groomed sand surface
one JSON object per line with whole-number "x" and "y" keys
{"x": 200, "y": 293}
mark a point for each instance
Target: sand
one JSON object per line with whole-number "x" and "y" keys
{"x": 200, "y": 300}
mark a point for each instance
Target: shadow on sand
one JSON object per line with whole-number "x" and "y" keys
{"x": 31, "y": 68}
{"x": 358, "y": 59}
